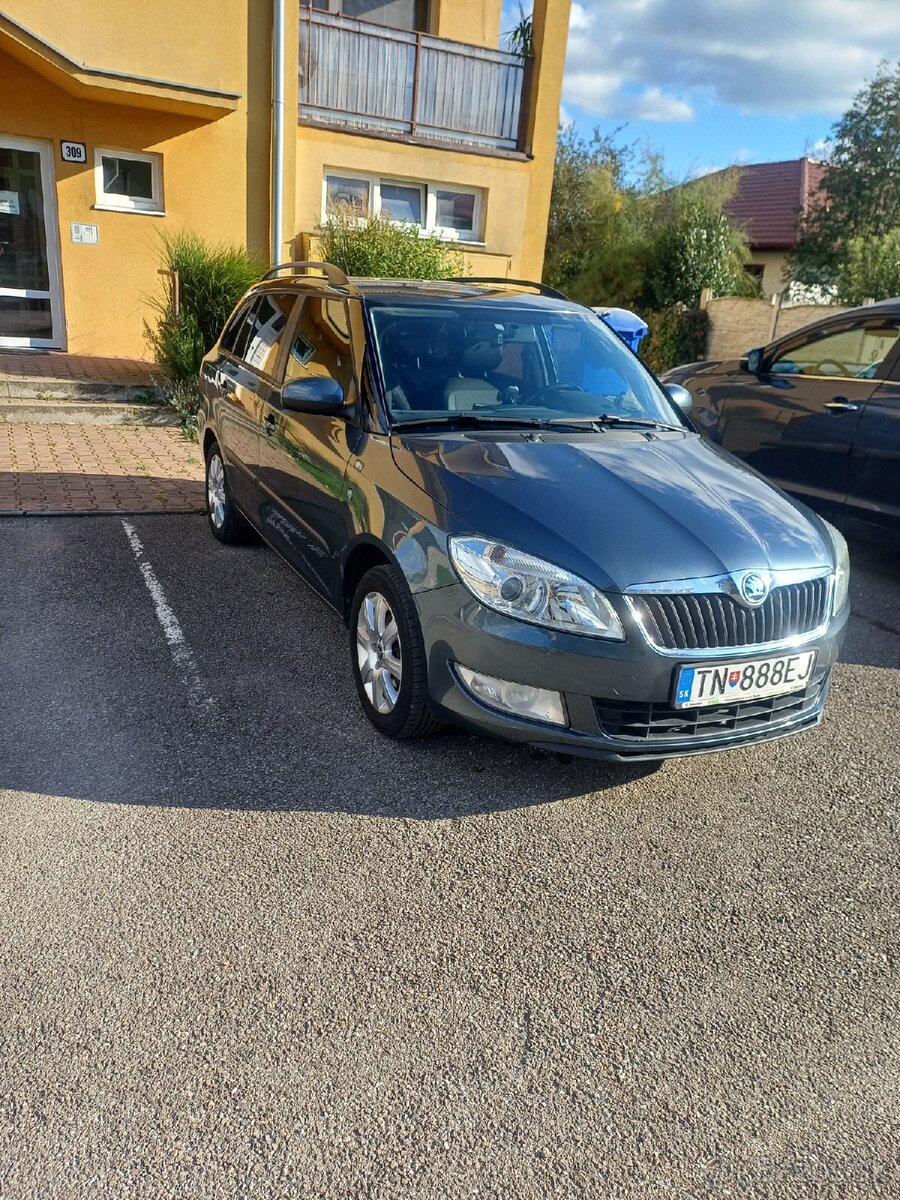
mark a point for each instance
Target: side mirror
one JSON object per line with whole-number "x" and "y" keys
{"x": 753, "y": 360}
{"x": 680, "y": 395}
{"x": 315, "y": 394}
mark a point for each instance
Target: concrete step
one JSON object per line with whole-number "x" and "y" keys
{"x": 47, "y": 411}
{"x": 35, "y": 388}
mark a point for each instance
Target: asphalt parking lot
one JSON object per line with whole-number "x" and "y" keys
{"x": 250, "y": 949}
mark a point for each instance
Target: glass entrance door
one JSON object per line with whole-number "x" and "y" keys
{"x": 30, "y": 310}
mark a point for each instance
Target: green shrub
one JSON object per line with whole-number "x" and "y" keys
{"x": 696, "y": 248}
{"x": 676, "y": 335}
{"x": 380, "y": 247}
{"x": 182, "y": 396}
{"x": 869, "y": 268}
{"x": 211, "y": 280}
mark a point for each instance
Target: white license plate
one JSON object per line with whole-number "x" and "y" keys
{"x": 732, "y": 683}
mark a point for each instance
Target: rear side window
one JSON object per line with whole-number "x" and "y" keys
{"x": 266, "y": 322}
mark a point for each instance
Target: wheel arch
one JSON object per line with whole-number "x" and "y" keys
{"x": 363, "y": 555}
{"x": 206, "y": 440}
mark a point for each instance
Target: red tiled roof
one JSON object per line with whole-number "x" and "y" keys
{"x": 770, "y": 198}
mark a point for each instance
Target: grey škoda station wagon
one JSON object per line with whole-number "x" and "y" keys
{"x": 514, "y": 518}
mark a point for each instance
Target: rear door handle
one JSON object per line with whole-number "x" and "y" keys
{"x": 269, "y": 424}
{"x": 839, "y": 404}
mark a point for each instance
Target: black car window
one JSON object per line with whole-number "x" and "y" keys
{"x": 321, "y": 343}
{"x": 265, "y": 325}
{"x": 236, "y": 326}
{"x": 850, "y": 353}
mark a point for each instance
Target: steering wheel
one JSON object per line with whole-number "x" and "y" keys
{"x": 535, "y": 397}
{"x": 831, "y": 362}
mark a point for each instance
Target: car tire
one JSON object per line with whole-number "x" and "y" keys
{"x": 390, "y": 671}
{"x": 225, "y": 521}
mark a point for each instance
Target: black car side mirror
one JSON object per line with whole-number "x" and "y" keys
{"x": 315, "y": 394}
{"x": 752, "y": 361}
{"x": 680, "y": 395}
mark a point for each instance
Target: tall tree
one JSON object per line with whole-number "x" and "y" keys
{"x": 588, "y": 176}
{"x": 861, "y": 185}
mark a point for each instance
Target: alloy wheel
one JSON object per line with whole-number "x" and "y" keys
{"x": 215, "y": 491}
{"x": 378, "y": 652}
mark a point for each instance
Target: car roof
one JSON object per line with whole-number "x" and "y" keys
{"x": 413, "y": 291}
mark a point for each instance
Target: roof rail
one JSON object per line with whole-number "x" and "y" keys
{"x": 543, "y": 288}
{"x": 335, "y": 276}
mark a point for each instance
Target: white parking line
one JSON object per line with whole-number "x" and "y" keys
{"x": 182, "y": 655}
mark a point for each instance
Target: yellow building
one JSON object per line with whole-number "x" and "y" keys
{"x": 241, "y": 120}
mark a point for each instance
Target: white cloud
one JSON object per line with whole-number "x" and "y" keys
{"x": 579, "y": 18}
{"x": 655, "y": 60}
{"x": 654, "y": 105}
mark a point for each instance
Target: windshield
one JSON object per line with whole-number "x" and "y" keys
{"x": 470, "y": 363}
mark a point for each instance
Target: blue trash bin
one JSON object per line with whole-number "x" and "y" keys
{"x": 628, "y": 325}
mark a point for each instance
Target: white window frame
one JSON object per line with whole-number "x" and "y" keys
{"x": 114, "y": 201}
{"x": 429, "y": 227}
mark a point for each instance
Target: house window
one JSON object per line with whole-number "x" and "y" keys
{"x": 398, "y": 14}
{"x": 127, "y": 181}
{"x": 448, "y": 212}
{"x": 344, "y": 193}
{"x": 455, "y": 210}
{"x": 403, "y": 202}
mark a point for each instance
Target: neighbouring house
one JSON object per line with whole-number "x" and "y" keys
{"x": 243, "y": 120}
{"x": 769, "y": 202}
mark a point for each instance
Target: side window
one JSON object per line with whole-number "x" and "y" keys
{"x": 321, "y": 343}
{"x": 855, "y": 353}
{"x": 265, "y": 326}
{"x": 235, "y": 326}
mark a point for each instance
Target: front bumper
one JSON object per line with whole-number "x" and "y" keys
{"x": 618, "y": 695}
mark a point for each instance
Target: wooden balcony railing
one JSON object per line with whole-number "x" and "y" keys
{"x": 357, "y": 75}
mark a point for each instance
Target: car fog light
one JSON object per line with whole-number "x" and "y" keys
{"x": 519, "y": 699}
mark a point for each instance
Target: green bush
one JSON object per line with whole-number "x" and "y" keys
{"x": 676, "y": 335}
{"x": 211, "y": 280}
{"x": 182, "y": 395}
{"x": 869, "y": 268}
{"x": 380, "y": 247}
{"x": 696, "y": 248}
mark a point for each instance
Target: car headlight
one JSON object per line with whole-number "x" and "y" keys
{"x": 841, "y": 568}
{"x": 522, "y": 586}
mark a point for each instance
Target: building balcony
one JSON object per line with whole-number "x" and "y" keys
{"x": 392, "y": 83}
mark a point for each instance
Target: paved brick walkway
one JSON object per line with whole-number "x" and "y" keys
{"x": 98, "y": 468}
{"x": 53, "y": 364}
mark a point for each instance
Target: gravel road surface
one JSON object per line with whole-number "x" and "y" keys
{"x": 248, "y": 949}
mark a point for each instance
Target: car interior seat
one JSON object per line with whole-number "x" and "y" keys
{"x": 472, "y": 389}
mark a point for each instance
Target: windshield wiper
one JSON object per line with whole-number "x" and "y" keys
{"x": 472, "y": 419}
{"x": 606, "y": 420}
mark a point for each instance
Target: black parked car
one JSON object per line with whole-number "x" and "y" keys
{"x": 818, "y": 412}
{"x": 515, "y": 520}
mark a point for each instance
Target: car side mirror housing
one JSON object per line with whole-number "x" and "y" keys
{"x": 680, "y": 395}
{"x": 752, "y": 361}
{"x": 315, "y": 394}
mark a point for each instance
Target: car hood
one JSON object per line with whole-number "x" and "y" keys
{"x": 618, "y": 508}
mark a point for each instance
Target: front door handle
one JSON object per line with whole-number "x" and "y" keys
{"x": 269, "y": 424}
{"x": 839, "y": 404}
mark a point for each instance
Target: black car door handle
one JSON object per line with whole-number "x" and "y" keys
{"x": 269, "y": 424}
{"x": 839, "y": 404}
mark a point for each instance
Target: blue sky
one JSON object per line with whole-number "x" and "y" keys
{"x": 716, "y": 82}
